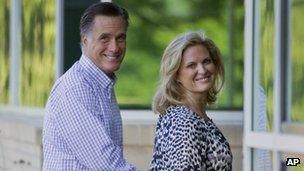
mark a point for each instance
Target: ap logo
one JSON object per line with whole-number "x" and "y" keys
{"x": 292, "y": 161}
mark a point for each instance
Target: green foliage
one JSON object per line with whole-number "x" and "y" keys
{"x": 4, "y": 50}
{"x": 266, "y": 46}
{"x": 155, "y": 23}
{"x": 38, "y": 51}
{"x": 266, "y": 62}
{"x": 297, "y": 65}
{"x": 37, "y": 54}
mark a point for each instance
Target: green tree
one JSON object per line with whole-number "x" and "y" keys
{"x": 155, "y": 23}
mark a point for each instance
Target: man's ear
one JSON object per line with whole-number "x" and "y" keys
{"x": 84, "y": 39}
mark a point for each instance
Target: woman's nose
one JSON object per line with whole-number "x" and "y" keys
{"x": 201, "y": 68}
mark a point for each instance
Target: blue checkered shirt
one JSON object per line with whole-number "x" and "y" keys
{"x": 82, "y": 124}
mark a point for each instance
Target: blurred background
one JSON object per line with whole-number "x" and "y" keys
{"x": 153, "y": 25}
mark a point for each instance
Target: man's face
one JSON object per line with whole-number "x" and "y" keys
{"x": 105, "y": 44}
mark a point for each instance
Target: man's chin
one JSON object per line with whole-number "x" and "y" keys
{"x": 111, "y": 71}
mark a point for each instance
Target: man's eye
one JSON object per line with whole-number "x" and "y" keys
{"x": 104, "y": 39}
{"x": 121, "y": 39}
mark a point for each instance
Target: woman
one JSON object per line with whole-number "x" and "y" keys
{"x": 192, "y": 74}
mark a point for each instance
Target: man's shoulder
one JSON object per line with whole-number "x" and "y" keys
{"x": 72, "y": 81}
{"x": 72, "y": 89}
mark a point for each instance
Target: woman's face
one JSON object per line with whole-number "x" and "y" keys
{"x": 197, "y": 70}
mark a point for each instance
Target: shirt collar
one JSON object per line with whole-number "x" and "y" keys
{"x": 96, "y": 73}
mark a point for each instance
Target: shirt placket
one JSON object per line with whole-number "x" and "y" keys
{"x": 109, "y": 109}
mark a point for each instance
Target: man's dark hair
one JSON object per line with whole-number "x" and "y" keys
{"x": 101, "y": 8}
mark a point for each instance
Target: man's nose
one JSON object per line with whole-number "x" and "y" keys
{"x": 113, "y": 46}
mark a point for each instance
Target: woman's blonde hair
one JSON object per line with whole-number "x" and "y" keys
{"x": 170, "y": 92}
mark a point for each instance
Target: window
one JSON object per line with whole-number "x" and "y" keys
{"x": 38, "y": 51}
{"x": 297, "y": 62}
{"x": 4, "y": 50}
{"x": 265, "y": 67}
{"x": 273, "y": 72}
{"x": 294, "y": 118}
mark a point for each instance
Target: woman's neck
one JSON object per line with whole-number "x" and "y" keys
{"x": 196, "y": 102}
{"x": 197, "y": 107}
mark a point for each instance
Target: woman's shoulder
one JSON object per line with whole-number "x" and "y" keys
{"x": 180, "y": 121}
{"x": 178, "y": 114}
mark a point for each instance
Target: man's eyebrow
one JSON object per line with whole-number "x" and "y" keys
{"x": 104, "y": 34}
{"x": 122, "y": 34}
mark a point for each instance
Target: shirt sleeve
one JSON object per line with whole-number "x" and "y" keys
{"x": 85, "y": 134}
{"x": 184, "y": 146}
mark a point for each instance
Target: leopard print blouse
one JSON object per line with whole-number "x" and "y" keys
{"x": 184, "y": 141}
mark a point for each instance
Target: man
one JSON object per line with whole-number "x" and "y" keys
{"x": 82, "y": 126}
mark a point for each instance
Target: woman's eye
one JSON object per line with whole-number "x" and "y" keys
{"x": 207, "y": 61}
{"x": 191, "y": 66}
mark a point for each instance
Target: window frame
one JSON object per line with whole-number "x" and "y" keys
{"x": 275, "y": 141}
